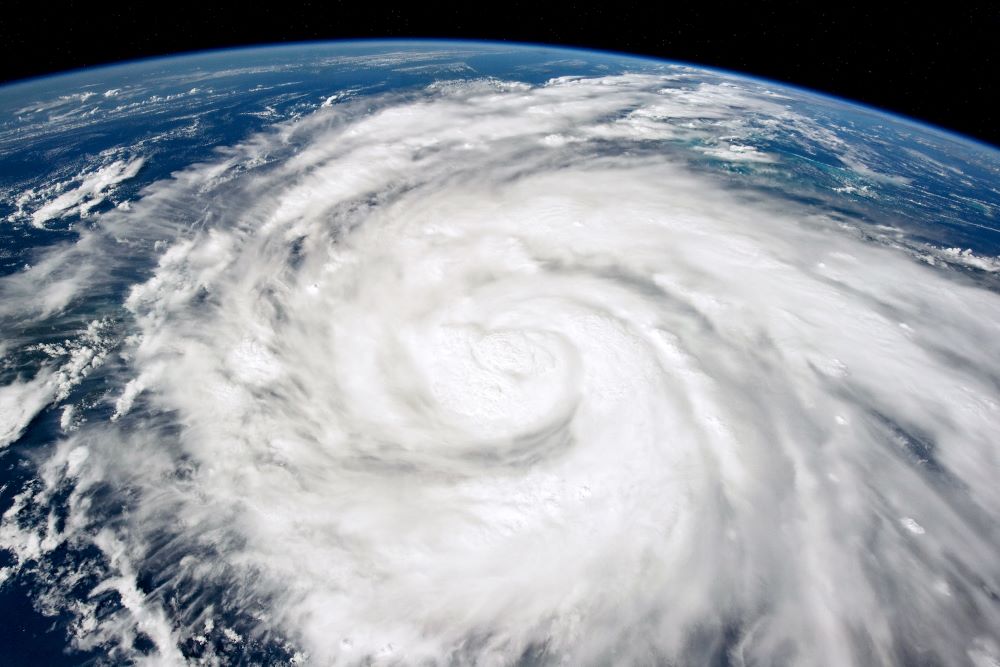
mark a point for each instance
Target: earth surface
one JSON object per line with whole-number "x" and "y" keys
{"x": 469, "y": 353}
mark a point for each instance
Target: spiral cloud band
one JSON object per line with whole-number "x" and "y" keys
{"x": 483, "y": 374}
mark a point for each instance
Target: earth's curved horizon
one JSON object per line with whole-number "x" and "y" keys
{"x": 899, "y": 116}
{"x": 450, "y": 352}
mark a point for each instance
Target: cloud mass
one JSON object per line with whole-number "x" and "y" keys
{"x": 483, "y": 374}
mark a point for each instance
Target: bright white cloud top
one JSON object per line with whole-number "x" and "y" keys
{"x": 483, "y": 374}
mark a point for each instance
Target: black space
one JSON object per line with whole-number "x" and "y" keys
{"x": 936, "y": 65}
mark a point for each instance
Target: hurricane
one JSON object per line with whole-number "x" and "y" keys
{"x": 481, "y": 374}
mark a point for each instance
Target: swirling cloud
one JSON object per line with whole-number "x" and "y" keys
{"x": 486, "y": 374}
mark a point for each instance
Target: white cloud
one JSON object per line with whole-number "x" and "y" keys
{"x": 78, "y": 195}
{"x": 969, "y": 258}
{"x": 20, "y": 401}
{"x": 470, "y": 376}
